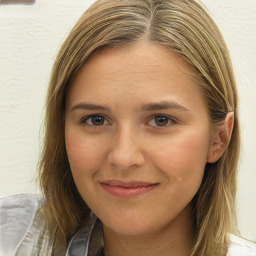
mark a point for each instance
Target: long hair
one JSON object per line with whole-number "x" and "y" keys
{"x": 187, "y": 29}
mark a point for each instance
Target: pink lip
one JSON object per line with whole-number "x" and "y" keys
{"x": 127, "y": 189}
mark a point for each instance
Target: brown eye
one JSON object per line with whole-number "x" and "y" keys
{"x": 95, "y": 120}
{"x": 161, "y": 120}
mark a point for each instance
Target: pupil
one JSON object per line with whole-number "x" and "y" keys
{"x": 161, "y": 120}
{"x": 97, "y": 120}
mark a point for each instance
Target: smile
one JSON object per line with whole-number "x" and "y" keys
{"x": 127, "y": 189}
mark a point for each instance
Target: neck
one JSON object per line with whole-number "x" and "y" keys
{"x": 175, "y": 239}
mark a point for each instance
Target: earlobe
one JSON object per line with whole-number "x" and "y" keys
{"x": 220, "y": 139}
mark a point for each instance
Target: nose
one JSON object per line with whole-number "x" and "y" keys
{"x": 126, "y": 151}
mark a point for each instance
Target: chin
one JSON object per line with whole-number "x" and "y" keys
{"x": 132, "y": 227}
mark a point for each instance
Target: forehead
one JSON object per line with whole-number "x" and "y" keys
{"x": 143, "y": 71}
{"x": 142, "y": 57}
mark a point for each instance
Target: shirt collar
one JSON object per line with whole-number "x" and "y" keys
{"x": 88, "y": 241}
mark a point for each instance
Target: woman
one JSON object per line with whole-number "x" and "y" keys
{"x": 141, "y": 131}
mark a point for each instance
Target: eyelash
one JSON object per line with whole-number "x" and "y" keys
{"x": 170, "y": 121}
{"x": 85, "y": 120}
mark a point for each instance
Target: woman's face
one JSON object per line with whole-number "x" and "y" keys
{"x": 137, "y": 137}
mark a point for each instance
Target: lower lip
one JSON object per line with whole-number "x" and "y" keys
{"x": 124, "y": 192}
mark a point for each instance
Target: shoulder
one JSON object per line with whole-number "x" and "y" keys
{"x": 17, "y": 213}
{"x": 241, "y": 247}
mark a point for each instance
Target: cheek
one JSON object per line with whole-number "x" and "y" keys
{"x": 85, "y": 153}
{"x": 183, "y": 158}
{"x": 183, "y": 163}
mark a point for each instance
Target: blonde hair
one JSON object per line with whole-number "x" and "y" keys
{"x": 187, "y": 29}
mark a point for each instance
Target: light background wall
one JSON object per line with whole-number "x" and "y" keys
{"x": 29, "y": 39}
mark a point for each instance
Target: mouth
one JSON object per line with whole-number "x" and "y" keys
{"x": 127, "y": 190}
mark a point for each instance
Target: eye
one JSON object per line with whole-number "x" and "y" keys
{"x": 95, "y": 120}
{"x": 161, "y": 120}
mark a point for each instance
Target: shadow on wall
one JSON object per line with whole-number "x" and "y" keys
{"x": 22, "y": 2}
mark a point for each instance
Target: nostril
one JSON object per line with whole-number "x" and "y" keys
{"x": 126, "y": 160}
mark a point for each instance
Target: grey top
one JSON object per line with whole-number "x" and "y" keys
{"x": 23, "y": 232}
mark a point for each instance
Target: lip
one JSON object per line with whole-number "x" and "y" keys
{"x": 129, "y": 189}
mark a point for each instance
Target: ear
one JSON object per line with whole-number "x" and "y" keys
{"x": 220, "y": 139}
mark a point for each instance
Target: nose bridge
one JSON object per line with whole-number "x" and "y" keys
{"x": 126, "y": 149}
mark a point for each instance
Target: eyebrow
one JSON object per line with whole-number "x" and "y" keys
{"x": 144, "y": 107}
{"x": 163, "y": 105}
{"x": 89, "y": 106}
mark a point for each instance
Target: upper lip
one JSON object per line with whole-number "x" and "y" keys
{"x": 127, "y": 184}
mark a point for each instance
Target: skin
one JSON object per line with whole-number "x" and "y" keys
{"x": 134, "y": 86}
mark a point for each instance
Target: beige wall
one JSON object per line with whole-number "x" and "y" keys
{"x": 29, "y": 39}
